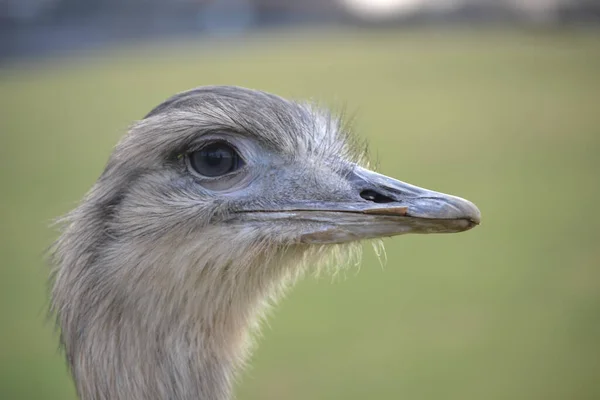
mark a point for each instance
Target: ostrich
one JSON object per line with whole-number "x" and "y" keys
{"x": 207, "y": 209}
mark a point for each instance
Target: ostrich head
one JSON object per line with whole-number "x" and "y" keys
{"x": 206, "y": 209}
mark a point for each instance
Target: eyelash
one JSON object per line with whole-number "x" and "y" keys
{"x": 190, "y": 148}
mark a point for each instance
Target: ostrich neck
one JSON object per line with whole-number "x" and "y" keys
{"x": 177, "y": 340}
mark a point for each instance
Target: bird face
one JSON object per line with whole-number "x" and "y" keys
{"x": 263, "y": 168}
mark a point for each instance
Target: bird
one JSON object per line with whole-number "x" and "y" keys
{"x": 208, "y": 209}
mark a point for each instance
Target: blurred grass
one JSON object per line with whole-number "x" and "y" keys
{"x": 510, "y": 120}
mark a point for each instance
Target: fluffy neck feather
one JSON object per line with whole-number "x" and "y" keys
{"x": 170, "y": 322}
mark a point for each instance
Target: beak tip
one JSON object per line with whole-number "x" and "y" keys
{"x": 470, "y": 212}
{"x": 473, "y": 223}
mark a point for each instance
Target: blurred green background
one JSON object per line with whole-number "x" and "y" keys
{"x": 507, "y": 119}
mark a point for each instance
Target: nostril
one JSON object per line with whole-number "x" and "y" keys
{"x": 375, "y": 197}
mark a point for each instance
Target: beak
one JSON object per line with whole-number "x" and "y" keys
{"x": 379, "y": 206}
{"x": 391, "y": 207}
{"x": 388, "y": 196}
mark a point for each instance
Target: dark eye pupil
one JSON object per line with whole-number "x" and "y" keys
{"x": 215, "y": 160}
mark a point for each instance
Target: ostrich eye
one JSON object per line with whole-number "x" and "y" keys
{"x": 215, "y": 159}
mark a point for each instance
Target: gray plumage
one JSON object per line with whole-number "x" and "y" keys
{"x": 161, "y": 274}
